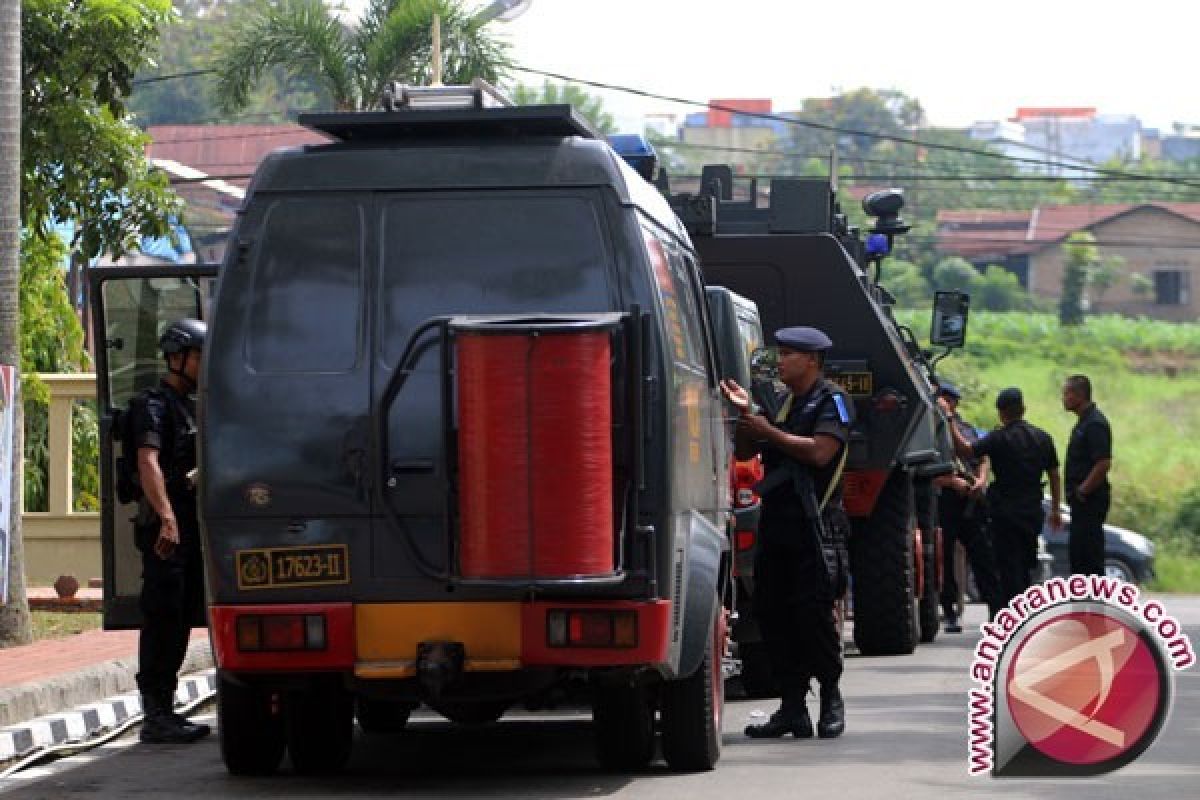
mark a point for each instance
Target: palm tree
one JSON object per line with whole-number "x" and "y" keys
{"x": 392, "y": 41}
{"x": 14, "y": 610}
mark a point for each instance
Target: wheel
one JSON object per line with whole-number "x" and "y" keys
{"x": 251, "y": 728}
{"x": 757, "y": 679}
{"x": 465, "y": 713}
{"x": 623, "y": 717}
{"x": 382, "y": 716}
{"x": 320, "y": 728}
{"x": 1118, "y": 568}
{"x": 693, "y": 707}
{"x": 930, "y": 590}
{"x": 881, "y": 562}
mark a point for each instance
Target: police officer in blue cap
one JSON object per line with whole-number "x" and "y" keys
{"x": 801, "y": 563}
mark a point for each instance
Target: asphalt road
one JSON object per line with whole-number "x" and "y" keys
{"x": 906, "y": 738}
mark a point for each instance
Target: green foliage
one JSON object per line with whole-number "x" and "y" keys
{"x": 81, "y": 161}
{"x": 997, "y": 289}
{"x": 906, "y": 283}
{"x": 391, "y": 42}
{"x": 1104, "y": 275}
{"x": 954, "y": 273}
{"x": 1081, "y": 258}
{"x": 1142, "y": 285}
{"x": 51, "y": 341}
{"x": 590, "y": 106}
{"x": 186, "y": 45}
{"x": 1187, "y": 521}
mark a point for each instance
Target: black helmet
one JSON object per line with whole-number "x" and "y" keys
{"x": 184, "y": 334}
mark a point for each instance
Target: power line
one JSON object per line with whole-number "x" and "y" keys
{"x": 173, "y": 76}
{"x": 833, "y": 128}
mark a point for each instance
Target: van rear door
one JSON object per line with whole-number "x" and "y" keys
{"x": 130, "y": 307}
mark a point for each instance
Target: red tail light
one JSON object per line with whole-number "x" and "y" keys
{"x": 572, "y": 628}
{"x": 887, "y": 402}
{"x": 744, "y": 540}
{"x": 279, "y": 632}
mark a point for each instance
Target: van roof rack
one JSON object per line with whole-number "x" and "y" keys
{"x": 440, "y": 112}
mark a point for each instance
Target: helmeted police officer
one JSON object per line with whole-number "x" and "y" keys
{"x": 801, "y": 563}
{"x": 1020, "y": 453}
{"x": 163, "y": 426}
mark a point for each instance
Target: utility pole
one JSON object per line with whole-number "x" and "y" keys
{"x": 14, "y": 607}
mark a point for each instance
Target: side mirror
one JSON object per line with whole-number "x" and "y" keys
{"x": 949, "y": 328}
{"x": 764, "y": 364}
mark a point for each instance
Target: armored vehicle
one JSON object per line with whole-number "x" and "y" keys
{"x": 461, "y": 438}
{"x": 799, "y": 262}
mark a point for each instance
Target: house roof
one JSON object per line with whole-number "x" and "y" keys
{"x": 225, "y": 150}
{"x": 977, "y": 233}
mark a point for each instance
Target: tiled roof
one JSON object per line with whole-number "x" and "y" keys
{"x": 971, "y": 233}
{"x": 225, "y": 150}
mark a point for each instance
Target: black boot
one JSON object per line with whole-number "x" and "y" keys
{"x": 792, "y": 717}
{"x": 832, "y": 721}
{"x": 162, "y": 725}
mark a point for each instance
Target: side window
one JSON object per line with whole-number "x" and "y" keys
{"x": 306, "y": 291}
{"x": 685, "y": 327}
{"x": 135, "y": 313}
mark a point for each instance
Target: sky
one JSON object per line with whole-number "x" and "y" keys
{"x": 963, "y": 60}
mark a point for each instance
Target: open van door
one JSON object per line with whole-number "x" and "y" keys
{"x": 130, "y": 308}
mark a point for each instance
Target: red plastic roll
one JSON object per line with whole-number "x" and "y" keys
{"x": 535, "y": 454}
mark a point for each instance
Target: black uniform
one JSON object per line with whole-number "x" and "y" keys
{"x": 964, "y": 519}
{"x": 1091, "y": 441}
{"x": 797, "y": 575}
{"x": 1019, "y": 453}
{"x": 172, "y": 588}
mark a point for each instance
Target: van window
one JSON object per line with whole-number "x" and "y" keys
{"x": 306, "y": 293}
{"x": 496, "y": 253}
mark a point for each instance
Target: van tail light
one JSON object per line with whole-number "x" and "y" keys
{"x": 744, "y": 540}
{"x": 575, "y": 628}
{"x": 889, "y": 401}
{"x": 280, "y": 632}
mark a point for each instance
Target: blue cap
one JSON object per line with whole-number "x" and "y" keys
{"x": 1010, "y": 398}
{"x": 805, "y": 339}
{"x": 949, "y": 389}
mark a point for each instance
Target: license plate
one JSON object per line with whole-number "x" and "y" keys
{"x": 282, "y": 567}
{"x": 855, "y": 383}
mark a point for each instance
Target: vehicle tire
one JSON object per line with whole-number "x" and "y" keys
{"x": 1118, "y": 568}
{"x": 320, "y": 728}
{"x": 250, "y": 725}
{"x": 693, "y": 709}
{"x": 930, "y": 591}
{"x": 757, "y": 679}
{"x": 382, "y": 716}
{"x": 881, "y": 562}
{"x": 465, "y": 713}
{"x": 623, "y": 717}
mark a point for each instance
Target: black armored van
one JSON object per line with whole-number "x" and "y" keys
{"x": 461, "y": 438}
{"x": 799, "y": 262}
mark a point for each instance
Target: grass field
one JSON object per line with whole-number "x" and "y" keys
{"x": 57, "y": 624}
{"x": 1146, "y": 379}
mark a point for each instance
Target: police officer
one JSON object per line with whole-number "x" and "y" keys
{"x": 1019, "y": 453}
{"x": 962, "y": 513}
{"x": 801, "y": 563}
{"x": 162, "y": 421}
{"x": 1089, "y": 457}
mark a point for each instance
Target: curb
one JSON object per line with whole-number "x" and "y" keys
{"x": 92, "y": 721}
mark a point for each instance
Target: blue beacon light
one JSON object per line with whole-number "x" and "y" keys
{"x": 877, "y": 245}
{"x": 636, "y": 152}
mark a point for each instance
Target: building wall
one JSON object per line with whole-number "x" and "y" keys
{"x": 1149, "y": 225}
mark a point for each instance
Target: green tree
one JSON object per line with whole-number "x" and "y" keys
{"x": 185, "y": 49}
{"x": 955, "y": 273}
{"x": 1080, "y": 257}
{"x": 906, "y": 283}
{"x": 14, "y": 610}
{"x": 1141, "y": 285}
{"x": 81, "y": 161}
{"x": 997, "y": 289}
{"x": 392, "y": 41}
{"x": 1104, "y": 275}
{"x": 590, "y": 106}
